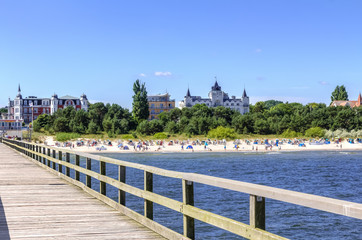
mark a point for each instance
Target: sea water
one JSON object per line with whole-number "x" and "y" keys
{"x": 325, "y": 173}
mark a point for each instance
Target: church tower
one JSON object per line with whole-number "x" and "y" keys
{"x": 245, "y": 100}
{"x": 54, "y": 103}
{"x": 18, "y": 105}
{"x": 84, "y": 102}
{"x": 216, "y": 95}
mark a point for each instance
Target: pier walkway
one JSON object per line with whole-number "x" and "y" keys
{"x": 36, "y": 204}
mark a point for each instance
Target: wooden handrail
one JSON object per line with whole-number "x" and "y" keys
{"x": 186, "y": 207}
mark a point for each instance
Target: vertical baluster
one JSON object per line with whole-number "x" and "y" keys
{"x": 188, "y": 199}
{"x": 37, "y": 151}
{"x": 77, "y": 164}
{"x": 257, "y": 212}
{"x": 88, "y": 179}
{"x": 148, "y": 186}
{"x": 67, "y": 159}
{"x": 60, "y": 157}
{"x": 102, "y": 171}
{"x": 53, "y": 163}
{"x": 122, "y": 178}
{"x": 48, "y": 153}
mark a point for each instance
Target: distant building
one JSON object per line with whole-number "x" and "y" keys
{"x": 351, "y": 104}
{"x": 218, "y": 98}
{"x": 10, "y": 124}
{"x": 30, "y": 108}
{"x": 158, "y": 104}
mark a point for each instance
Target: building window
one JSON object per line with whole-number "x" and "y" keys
{"x": 227, "y": 104}
{"x": 232, "y": 104}
{"x": 60, "y": 102}
{"x": 16, "y": 110}
{"x": 152, "y": 111}
{"x": 35, "y": 110}
{"x": 237, "y": 104}
{"x": 152, "y": 105}
{"x": 161, "y": 105}
{"x": 25, "y": 102}
{"x": 161, "y": 111}
{"x": 25, "y": 110}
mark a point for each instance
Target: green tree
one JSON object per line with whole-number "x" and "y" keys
{"x": 271, "y": 103}
{"x": 339, "y": 93}
{"x": 140, "y": 103}
{"x": 3, "y": 110}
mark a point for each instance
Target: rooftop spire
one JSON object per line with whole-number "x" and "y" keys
{"x": 216, "y": 86}
{"x": 19, "y": 90}
{"x": 188, "y": 93}
{"x": 244, "y": 94}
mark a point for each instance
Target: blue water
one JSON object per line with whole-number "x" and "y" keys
{"x": 331, "y": 174}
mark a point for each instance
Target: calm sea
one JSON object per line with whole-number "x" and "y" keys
{"x": 331, "y": 174}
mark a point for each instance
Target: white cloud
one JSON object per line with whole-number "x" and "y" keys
{"x": 163, "y": 74}
{"x": 142, "y": 75}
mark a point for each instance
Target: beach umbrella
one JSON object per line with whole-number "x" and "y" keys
{"x": 189, "y": 147}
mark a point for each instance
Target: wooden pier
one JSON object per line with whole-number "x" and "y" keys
{"x": 36, "y": 204}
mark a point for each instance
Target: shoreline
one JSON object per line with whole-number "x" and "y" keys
{"x": 218, "y": 148}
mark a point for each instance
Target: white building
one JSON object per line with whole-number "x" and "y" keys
{"x": 217, "y": 98}
{"x": 28, "y": 109}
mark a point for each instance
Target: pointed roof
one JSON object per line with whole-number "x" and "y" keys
{"x": 244, "y": 94}
{"x": 359, "y": 98}
{"x": 188, "y": 93}
{"x": 216, "y": 86}
{"x": 19, "y": 90}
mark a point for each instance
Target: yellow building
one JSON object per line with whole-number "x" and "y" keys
{"x": 158, "y": 104}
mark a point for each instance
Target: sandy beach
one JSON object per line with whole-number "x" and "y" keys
{"x": 228, "y": 146}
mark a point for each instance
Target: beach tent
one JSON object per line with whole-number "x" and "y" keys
{"x": 189, "y": 147}
{"x": 126, "y": 148}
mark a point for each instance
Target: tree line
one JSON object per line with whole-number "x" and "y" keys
{"x": 269, "y": 117}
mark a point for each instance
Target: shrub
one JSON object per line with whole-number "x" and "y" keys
{"x": 315, "y": 132}
{"x": 222, "y": 133}
{"x": 290, "y": 134}
{"x": 127, "y": 136}
{"x": 160, "y": 135}
{"x": 62, "y": 137}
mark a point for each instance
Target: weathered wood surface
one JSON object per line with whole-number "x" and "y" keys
{"x": 35, "y": 204}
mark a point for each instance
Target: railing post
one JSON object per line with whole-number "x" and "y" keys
{"x": 77, "y": 164}
{"x": 36, "y": 150}
{"x": 257, "y": 212}
{"x": 102, "y": 171}
{"x": 88, "y": 179}
{"x": 188, "y": 199}
{"x": 148, "y": 186}
{"x": 60, "y": 157}
{"x": 53, "y": 163}
{"x": 67, "y": 159}
{"x": 48, "y": 153}
{"x": 122, "y": 178}
{"x": 33, "y": 149}
{"x": 44, "y": 158}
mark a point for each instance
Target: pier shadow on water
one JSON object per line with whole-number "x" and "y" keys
{"x": 4, "y": 230}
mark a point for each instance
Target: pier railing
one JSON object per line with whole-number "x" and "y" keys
{"x": 51, "y": 158}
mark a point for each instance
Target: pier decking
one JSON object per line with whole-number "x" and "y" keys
{"x": 36, "y": 204}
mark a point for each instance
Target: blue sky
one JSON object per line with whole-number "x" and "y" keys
{"x": 296, "y": 51}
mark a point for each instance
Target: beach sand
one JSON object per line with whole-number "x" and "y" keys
{"x": 230, "y": 147}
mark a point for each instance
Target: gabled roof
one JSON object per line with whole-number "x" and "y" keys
{"x": 68, "y": 97}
